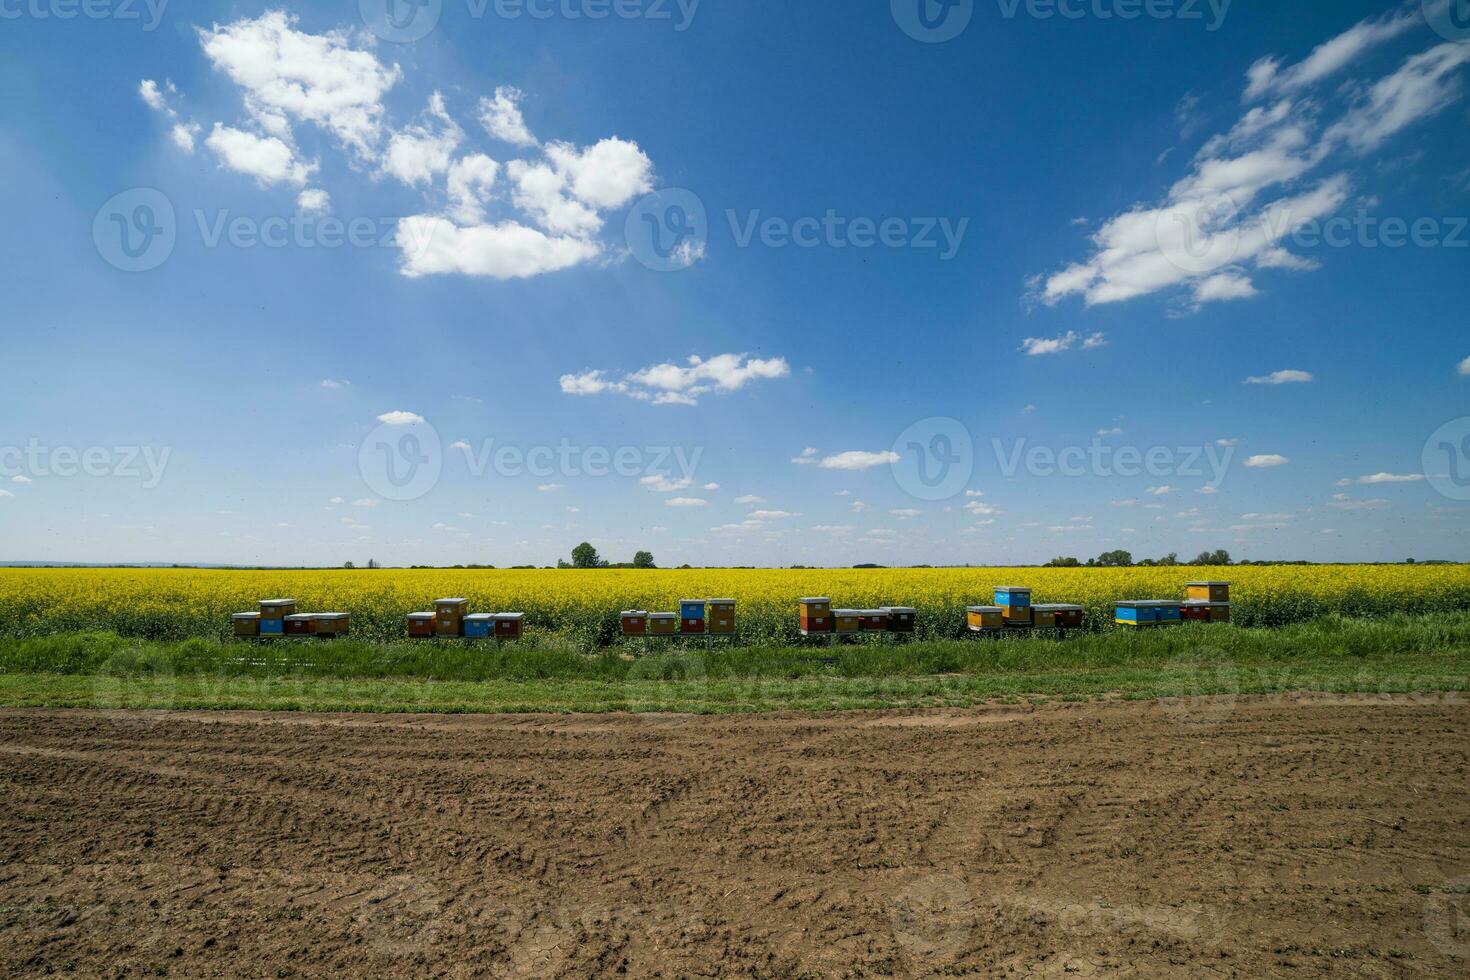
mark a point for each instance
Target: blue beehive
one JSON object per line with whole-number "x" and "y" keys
{"x": 1168, "y": 611}
{"x": 1013, "y": 596}
{"x": 1135, "y": 614}
{"x": 272, "y": 627}
{"x": 480, "y": 626}
{"x": 691, "y": 609}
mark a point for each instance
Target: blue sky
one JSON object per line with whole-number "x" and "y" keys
{"x": 318, "y": 282}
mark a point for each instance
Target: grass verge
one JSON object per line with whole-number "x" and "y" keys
{"x": 1416, "y": 654}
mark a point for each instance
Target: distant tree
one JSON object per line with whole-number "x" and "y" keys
{"x": 1115, "y": 559}
{"x": 1220, "y": 557}
{"x": 1063, "y": 563}
{"x": 348, "y": 564}
{"x": 373, "y": 563}
{"x": 586, "y": 556}
{"x": 643, "y": 559}
{"x": 1170, "y": 560}
{"x": 1409, "y": 562}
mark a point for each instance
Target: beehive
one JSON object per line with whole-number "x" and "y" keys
{"x": 980, "y": 618}
{"x": 816, "y": 616}
{"x": 246, "y": 624}
{"x": 635, "y": 622}
{"x": 479, "y": 626}
{"x": 846, "y": 620}
{"x": 663, "y": 624}
{"x": 277, "y": 608}
{"x": 1015, "y": 604}
{"x": 722, "y": 617}
{"x": 421, "y": 625}
{"x": 333, "y": 624}
{"x": 510, "y": 625}
{"x": 1062, "y": 616}
{"x": 1207, "y": 612}
{"x": 449, "y": 616}
{"x": 691, "y": 608}
{"x": 300, "y": 624}
{"x": 272, "y": 627}
{"x": 1169, "y": 612}
{"x": 901, "y": 619}
{"x": 1209, "y": 591}
{"x": 1149, "y": 612}
{"x": 873, "y": 620}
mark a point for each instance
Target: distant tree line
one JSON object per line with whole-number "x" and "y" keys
{"x": 1124, "y": 559}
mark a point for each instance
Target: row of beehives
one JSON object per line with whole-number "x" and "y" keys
{"x": 451, "y": 619}
{"x": 1208, "y": 602}
{"x": 696, "y": 617}
{"x": 818, "y": 617}
{"x": 278, "y": 617}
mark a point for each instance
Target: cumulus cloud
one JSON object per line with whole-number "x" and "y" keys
{"x": 680, "y": 384}
{"x": 431, "y": 245}
{"x": 418, "y": 153}
{"x": 266, "y": 158}
{"x": 750, "y": 500}
{"x": 810, "y": 457}
{"x": 1378, "y": 478}
{"x": 858, "y": 460}
{"x": 501, "y": 117}
{"x": 400, "y": 418}
{"x": 686, "y": 502}
{"x": 313, "y": 200}
{"x": 1282, "y": 378}
{"x": 1464, "y": 368}
{"x": 1266, "y": 461}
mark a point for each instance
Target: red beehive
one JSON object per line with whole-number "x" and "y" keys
{"x": 691, "y": 627}
{"x": 635, "y": 623}
{"x": 816, "y": 616}
{"x": 873, "y": 621}
{"x": 300, "y": 624}
{"x": 510, "y": 626}
{"x": 421, "y": 625}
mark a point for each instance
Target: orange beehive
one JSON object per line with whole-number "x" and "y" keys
{"x": 1209, "y": 591}
{"x": 246, "y": 624}
{"x": 663, "y": 624}
{"x": 981, "y": 618}
{"x": 332, "y": 624}
{"x": 816, "y": 616}
{"x": 722, "y": 617}
{"x": 449, "y": 616}
{"x": 847, "y": 620}
{"x": 421, "y": 625}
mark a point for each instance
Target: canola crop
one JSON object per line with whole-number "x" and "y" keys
{"x": 582, "y": 607}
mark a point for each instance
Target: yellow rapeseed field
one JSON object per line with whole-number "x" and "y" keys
{"x": 584, "y": 605}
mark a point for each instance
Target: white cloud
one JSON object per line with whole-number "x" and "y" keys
{"x": 417, "y": 153}
{"x": 1114, "y": 431}
{"x": 974, "y": 493}
{"x": 981, "y": 509}
{"x": 1342, "y": 502}
{"x": 400, "y": 418}
{"x": 858, "y": 507}
{"x": 808, "y": 457}
{"x": 838, "y": 529}
{"x": 460, "y": 444}
{"x": 335, "y": 383}
{"x": 432, "y": 245}
{"x": 1160, "y": 491}
{"x": 366, "y": 502}
{"x": 1268, "y": 518}
{"x": 659, "y": 483}
{"x": 1037, "y": 346}
{"x": 750, "y": 500}
{"x": 772, "y": 515}
{"x": 1227, "y": 442}
{"x": 606, "y": 175}
{"x": 268, "y": 159}
{"x": 1282, "y": 378}
{"x": 1225, "y": 286}
{"x": 184, "y": 135}
{"x": 1266, "y": 461}
{"x": 549, "y": 487}
{"x": 336, "y": 500}
{"x": 151, "y": 94}
{"x": 906, "y": 514}
{"x": 20, "y": 478}
{"x": 1208, "y": 491}
{"x": 710, "y": 486}
{"x": 313, "y": 201}
{"x": 287, "y": 74}
{"x": 1376, "y": 478}
{"x": 1216, "y": 219}
{"x": 673, "y": 384}
{"x": 6, "y": 493}
{"x": 471, "y": 180}
{"x": 1267, "y": 76}
{"x": 858, "y": 460}
{"x": 686, "y": 502}
{"x": 1130, "y": 502}
{"x": 501, "y": 117}
{"x": 1464, "y": 368}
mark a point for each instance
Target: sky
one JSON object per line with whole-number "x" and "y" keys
{"x": 818, "y": 283}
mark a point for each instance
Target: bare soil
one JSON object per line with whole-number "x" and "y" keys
{"x": 1292, "y": 836}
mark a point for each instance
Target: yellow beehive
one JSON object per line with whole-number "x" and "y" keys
{"x": 1209, "y": 591}
{"x": 847, "y": 620}
{"x": 982, "y": 618}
